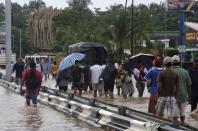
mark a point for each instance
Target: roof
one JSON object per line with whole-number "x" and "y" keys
{"x": 86, "y": 45}
{"x": 192, "y": 25}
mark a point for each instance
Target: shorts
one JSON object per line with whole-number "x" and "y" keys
{"x": 33, "y": 96}
{"x": 127, "y": 89}
{"x": 108, "y": 86}
{"x": 77, "y": 85}
{"x": 180, "y": 109}
{"x": 98, "y": 86}
{"x": 119, "y": 83}
{"x": 168, "y": 103}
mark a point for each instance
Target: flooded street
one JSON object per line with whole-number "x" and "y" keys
{"x": 14, "y": 116}
{"x": 139, "y": 104}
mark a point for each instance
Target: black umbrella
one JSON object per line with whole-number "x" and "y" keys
{"x": 145, "y": 59}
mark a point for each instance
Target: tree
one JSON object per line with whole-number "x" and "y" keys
{"x": 36, "y": 5}
{"x": 2, "y": 12}
{"x": 18, "y": 18}
{"x": 77, "y": 4}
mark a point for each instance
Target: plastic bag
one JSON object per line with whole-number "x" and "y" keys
{"x": 22, "y": 91}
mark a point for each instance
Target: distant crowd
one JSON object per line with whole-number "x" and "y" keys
{"x": 170, "y": 86}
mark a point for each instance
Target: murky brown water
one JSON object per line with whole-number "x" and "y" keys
{"x": 14, "y": 116}
{"x": 139, "y": 104}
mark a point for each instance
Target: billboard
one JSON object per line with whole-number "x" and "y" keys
{"x": 178, "y": 4}
{"x": 2, "y": 33}
{"x": 192, "y": 37}
{"x": 2, "y": 36}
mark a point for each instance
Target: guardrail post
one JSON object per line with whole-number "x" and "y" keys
{"x": 56, "y": 93}
{"x": 122, "y": 110}
{"x": 92, "y": 102}
{"x": 1, "y": 75}
{"x": 49, "y": 99}
{"x": 44, "y": 89}
{"x": 70, "y": 96}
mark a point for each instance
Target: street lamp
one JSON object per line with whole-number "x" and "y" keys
{"x": 20, "y": 43}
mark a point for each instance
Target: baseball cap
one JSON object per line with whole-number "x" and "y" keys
{"x": 167, "y": 60}
{"x": 176, "y": 58}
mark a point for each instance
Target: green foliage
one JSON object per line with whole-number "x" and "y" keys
{"x": 171, "y": 52}
{"x": 2, "y": 12}
{"x": 16, "y": 41}
{"x": 111, "y": 27}
{"x": 19, "y": 16}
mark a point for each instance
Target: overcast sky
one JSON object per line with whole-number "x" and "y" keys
{"x": 96, "y": 3}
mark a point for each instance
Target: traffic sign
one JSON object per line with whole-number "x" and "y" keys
{"x": 182, "y": 48}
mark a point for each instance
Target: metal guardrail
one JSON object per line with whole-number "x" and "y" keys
{"x": 102, "y": 114}
{"x": 131, "y": 113}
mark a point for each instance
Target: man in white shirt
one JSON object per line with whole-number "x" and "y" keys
{"x": 96, "y": 71}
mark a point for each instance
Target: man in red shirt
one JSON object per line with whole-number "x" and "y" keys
{"x": 32, "y": 79}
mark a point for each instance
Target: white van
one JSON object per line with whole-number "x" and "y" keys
{"x": 36, "y": 57}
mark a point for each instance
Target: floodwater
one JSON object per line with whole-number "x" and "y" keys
{"x": 14, "y": 116}
{"x": 139, "y": 104}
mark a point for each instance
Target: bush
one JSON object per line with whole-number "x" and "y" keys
{"x": 171, "y": 52}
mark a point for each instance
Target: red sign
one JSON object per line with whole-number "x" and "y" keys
{"x": 192, "y": 37}
{"x": 174, "y": 4}
{"x": 2, "y": 36}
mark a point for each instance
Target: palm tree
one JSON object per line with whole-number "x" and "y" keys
{"x": 121, "y": 29}
{"x": 37, "y": 4}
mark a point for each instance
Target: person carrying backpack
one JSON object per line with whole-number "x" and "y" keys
{"x": 32, "y": 79}
{"x": 108, "y": 75}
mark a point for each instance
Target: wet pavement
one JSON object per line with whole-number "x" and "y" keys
{"x": 14, "y": 116}
{"x": 139, "y": 104}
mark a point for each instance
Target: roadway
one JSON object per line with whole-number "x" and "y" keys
{"x": 16, "y": 117}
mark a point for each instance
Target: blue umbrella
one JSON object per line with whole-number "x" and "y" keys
{"x": 70, "y": 60}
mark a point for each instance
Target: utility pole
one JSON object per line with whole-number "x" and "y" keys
{"x": 182, "y": 35}
{"x": 20, "y": 43}
{"x": 126, "y": 5}
{"x": 8, "y": 39}
{"x": 132, "y": 12}
{"x": 182, "y": 31}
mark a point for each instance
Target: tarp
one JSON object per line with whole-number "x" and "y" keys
{"x": 93, "y": 50}
{"x": 82, "y": 46}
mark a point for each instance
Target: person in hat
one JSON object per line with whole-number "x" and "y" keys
{"x": 184, "y": 88}
{"x": 193, "y": 72}
{"x": 168, "y": 87}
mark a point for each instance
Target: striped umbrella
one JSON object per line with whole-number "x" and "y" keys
{"x": 70, "y": 60}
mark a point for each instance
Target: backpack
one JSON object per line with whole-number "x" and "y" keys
{"x": 108, "y": 73}
{"x": 32, "y": 82}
